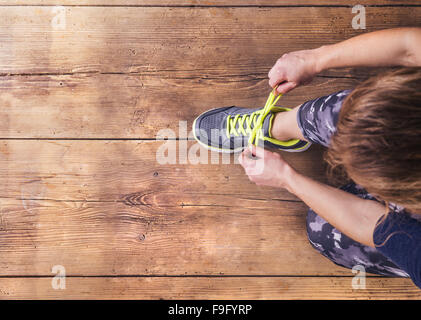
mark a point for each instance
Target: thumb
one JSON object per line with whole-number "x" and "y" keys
{"x": 246, "y": 159}
{"x": 285, "y": 87}
{"x": 257, "y": 151}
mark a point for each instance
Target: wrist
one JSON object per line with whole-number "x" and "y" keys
{"x": 321, "y": 58}
{"x": 287, "y": 178}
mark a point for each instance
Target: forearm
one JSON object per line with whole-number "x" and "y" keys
{"x": 353, "y": 216}
{"x": 392, "y": 47}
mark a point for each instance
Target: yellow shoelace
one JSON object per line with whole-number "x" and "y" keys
{"x": 240, "y": 120}
{"x": 255, "y": 133}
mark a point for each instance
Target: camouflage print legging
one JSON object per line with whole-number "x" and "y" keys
{"x": 317, "y": 120}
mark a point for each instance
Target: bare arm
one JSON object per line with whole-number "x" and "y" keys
{"x": 353, "y": 216}
{"x": 391, "y": 47}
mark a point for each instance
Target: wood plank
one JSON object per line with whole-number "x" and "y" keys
{"x": 191, "y": 42}
{"x": 107, "y": 207}
{"x": 111, "y": 193}
{"x": 122, "y": 239}
{"x": 113, "y": 170}
{"x": 129, "y": 106}
{"x": 209, "y": 288}
{"x": 208, "y": 2}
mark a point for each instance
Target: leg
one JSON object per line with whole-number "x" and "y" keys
{"x": 313, "y": 121}
{"x": 285, "y": 126}
{"x": 344, "y": 251}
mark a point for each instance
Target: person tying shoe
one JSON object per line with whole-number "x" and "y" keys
{"x": 372, "y": 133}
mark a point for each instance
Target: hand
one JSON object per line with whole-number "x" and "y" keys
{"x": 293, "y": 69}
{"x": 267, "y": 169}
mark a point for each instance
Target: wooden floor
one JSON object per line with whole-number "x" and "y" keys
{"x": 81, "y": 186}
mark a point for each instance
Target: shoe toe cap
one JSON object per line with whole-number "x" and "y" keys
{"x": 209, "y": 121}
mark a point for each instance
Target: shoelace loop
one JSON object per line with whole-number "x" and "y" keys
{"x": 257, "y": 133}
{"x": 256, "y": 118}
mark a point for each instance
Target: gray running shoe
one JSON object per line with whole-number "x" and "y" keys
{"x": 228, "y": 129}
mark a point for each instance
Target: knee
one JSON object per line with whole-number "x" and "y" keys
{"x": 314, "y": 228}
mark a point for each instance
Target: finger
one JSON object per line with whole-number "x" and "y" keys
{"x": 244, "y": 157}
{"x": 275, "y": 67}
{"x": 248, "y": 161}
{"x": 275, "y": 89}
{"x": 246, "y": 152}
{"x": 240, "y": 159}
{"x": 285, "y": 87}
{"x": 271, "y": 72}
{"x": 276, "y": 79}
{"x": 257, "y": 151}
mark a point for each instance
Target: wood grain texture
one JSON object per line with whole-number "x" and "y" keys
{"x": 186, "y": 42}
{"x": 108, "y": 170}
{"x": 122, "y": 224}
{"x": 209, "y": 2}
{"x": 108, "y": 208}
{"x": 129, "y": 106}
{"x": 209, "y": 288}
{"x": 123, "y": 239}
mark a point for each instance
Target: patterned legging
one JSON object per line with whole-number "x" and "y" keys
{"x": 344, "y": 251}
{"x": 317, "y": 120}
